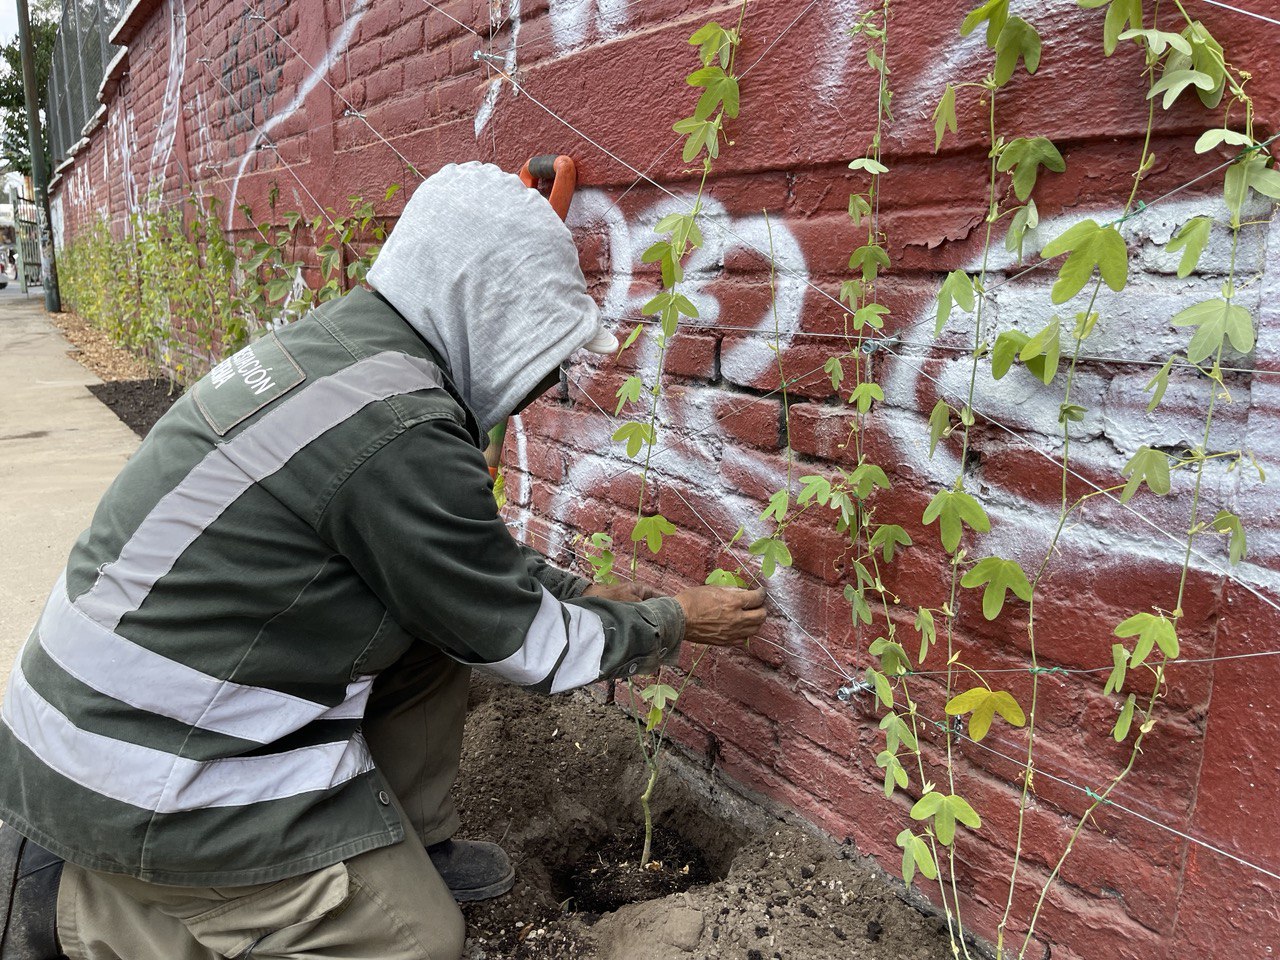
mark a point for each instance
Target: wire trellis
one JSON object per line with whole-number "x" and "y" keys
{"x": 66, "y": 89}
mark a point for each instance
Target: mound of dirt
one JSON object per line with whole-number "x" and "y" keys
{"x": 556, "y": 781}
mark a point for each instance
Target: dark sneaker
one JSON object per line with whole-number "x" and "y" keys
{"x": 472, "y": 869}
{"x": 29, "y": 876}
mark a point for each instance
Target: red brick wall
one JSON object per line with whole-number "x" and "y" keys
{"x": 207, "y": 82}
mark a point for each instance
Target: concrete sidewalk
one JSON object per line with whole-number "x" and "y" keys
{"x": 59, "y": 449}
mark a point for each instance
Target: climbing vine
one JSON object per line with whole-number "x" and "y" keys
{"x": 177, "y": 291}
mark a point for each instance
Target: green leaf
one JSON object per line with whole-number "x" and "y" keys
{"x": 1017, "y": 40}
{"x": 865, "y": 478}
{"x": 944, "y": 116}
{"x": 814, "y": 488}
{"x": 1120, "y": 659}
{"x": 880, "y": 683}
{"x": 868, "y": 164}
{"x": 725, "y": 578}
{"x": 927, "y": 629}
{"x": 887, "y": 538}
{"x": 858, "y": 601}
{"x": 870, "y": 315}
{"x": 659, "y": 694}
{"x": 894, "y": 774}
{"x": 870, "y": 259}
{"x": 1218, "y": 136}
{"x": 1248, "y": 173}
{"x": 1158, "y": 41}
{"x": 1006, "y": 349}
{"x": 1152, "y": 630}
{"x": 700, "y": 135}
{"x": 1071, "y": 413}
{"x": 834, "y": 368}
{"x": 1173, "y": 82}
{"x": 1206, "y": 57}
{"x": 984, "y": 704}
{"x": 916, "y": 855}
{"x": 777, "y": 508}
{"x": 864, "y": 394}
{"x": 1159, "y": 384}
{"x": 1228, "y": 523}
{"x": 631, "y": 337}
{"x": 939, "y": 424}
{"x": 653, "y": 718}
{"x": 1191, "y": 240}
{"x": 1216, "y": 319}
{"x": 896, "y": 731}
{"x": 1091, "y": 246}
{"x": 1125, "y": 719}
{"x": 1146, "y": 466}
{"x": 773, "y": 553}
{"x": 1084, "y": 324}
{"x": 636, "y": 434}
{"x": 1027, "y": 218}
{"x": 859, "y": 207}
{"x": 629, "y": 392}
{"x": 945, "y": 811}
{"x": 1042, "y": 351}
{"x": 1120, "y": 13}
{"x": 999, "y": 575}
{"x": 994, "y": 13}
{"x": 652, "y": 530}
{"x": 956, "y": 290}
{"x": 1025, "y": 157}
{"x": 713, "y": 42}
{"x": 720, "y": 90}
{"x": 893, "y": 659}
{"x": 955, "y": 509}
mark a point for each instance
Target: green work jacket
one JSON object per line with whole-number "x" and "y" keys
{"x": 188, "y": 708}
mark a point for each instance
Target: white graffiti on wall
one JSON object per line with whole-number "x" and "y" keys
{"x": 1135, "y": 328}
{"x": 337, "y": 47}
{"x": 171, "y": 105}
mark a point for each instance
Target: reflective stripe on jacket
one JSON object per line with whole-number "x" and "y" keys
{"x": 188, "y": 707}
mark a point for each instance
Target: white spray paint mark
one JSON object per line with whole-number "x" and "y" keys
{"x": 839, "y": 47}
{"x": 490, "y": 102}
{"x": 572, "y": 20}
{"x": 314, "y": 76}
{"x": 1134, "y": 326}
{"x": 171, "y": 105}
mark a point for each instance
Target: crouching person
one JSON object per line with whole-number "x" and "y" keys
{"x": 240, "y": 714}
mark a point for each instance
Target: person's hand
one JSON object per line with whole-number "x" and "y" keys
{"x": 624, "y": 592}
{"x": 722, "y": 616}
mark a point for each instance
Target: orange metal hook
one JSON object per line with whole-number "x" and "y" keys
{"x": 562, "y": 173}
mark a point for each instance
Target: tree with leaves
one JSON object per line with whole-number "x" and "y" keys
{"x": 14, "y": 148}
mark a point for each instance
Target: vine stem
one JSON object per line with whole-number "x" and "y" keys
{"x": 1064, "y": 512}
{"x": 657, "y": 386}
{"x": 1158, "y": 686}
{"x": 992, "y": 216}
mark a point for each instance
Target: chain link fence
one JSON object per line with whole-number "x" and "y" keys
{"x": 81, "y": 55}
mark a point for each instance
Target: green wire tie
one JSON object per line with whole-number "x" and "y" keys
{"x": 1096, "y": 796}
{"x": 1140, "y": 207}
{"x": 1048, "y": 670}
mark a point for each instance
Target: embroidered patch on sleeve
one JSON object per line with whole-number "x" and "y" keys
{"x": 245, "y": 382}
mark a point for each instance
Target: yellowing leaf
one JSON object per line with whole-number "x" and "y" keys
{"x": 983, "y": 705}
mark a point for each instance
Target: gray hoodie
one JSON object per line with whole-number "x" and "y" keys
{"x": 484, "y": 270}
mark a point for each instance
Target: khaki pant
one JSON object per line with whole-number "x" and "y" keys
{"x": 387, "y": 904}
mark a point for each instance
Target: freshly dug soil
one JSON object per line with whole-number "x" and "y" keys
{"x": 556, "y": 781}
{"x": 139, "y": 403}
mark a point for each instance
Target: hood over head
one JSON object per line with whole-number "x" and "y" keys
{"x": 485, "y": 272}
